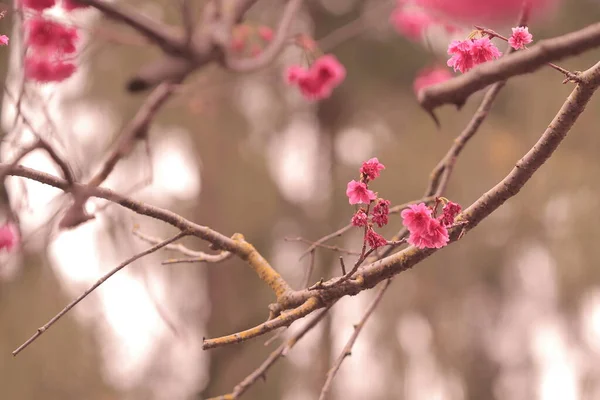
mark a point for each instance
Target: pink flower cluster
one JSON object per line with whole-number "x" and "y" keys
{"x": 9, "y": 237}
{"x": 466, "y": 54}
{"x": 425, "y": 230}
{"x": 317, "y": 82}
{"x": 359, "y": 193}
{"x": 50, "y": 44}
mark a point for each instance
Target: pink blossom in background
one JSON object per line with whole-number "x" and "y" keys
{"x": 411, "y": 23}
{"x": 432, "y": 235}
{"x": 466, "y": 54}
{"x": 449, "y": 212}
{"x": 38, "y": 5}
{"x": 520, "y": 37}
{"x": 381, "y": 212}
{"x": 371, "y": 168}
{"x": 483, "y": 11}
{"x": 4, "y": 40}
{"x": 265, "y": 33}
{"x": 374, "y": 239}
{"x": 416, "y": 216}
{"x": 484, "y": 50}
{"x": 40, "y": 68}
{"x": 70, "y": 5}
{"x": 357, "y": 192}
{"x": 430, "y": 76}
{"x": 9, "y": 237}
{"x": 320, "y": 79}
{"x": 51, "y": 36}
{"x": 359, "y": 218}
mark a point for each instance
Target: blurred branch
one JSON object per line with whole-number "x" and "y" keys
{"x": 272, "y": 50}
{"x": 94, "y": 286}
{"x": 281, "y": 351}
{"x": 347, "y": 351}
{"x": 198, "y": 256}
{"x": 457, "y": 90}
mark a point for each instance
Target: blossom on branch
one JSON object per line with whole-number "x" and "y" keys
{"x": 520, "y": 37}
{"x": 317, "y": 83}
{"x": 4, "y": 40}
{"x": 70, "y": 5}
{"x": 9, "y": 237}
{"x": 381, "y": 212}
{"x": 374, "y": 239}
{"x": 38, "y": 5}
{"x": 357, "y": 193}
{"x": 49, "y": 36}
{"x": 466, "y": 54}
{"x": 360, "y": 218}
{"x": 371, "y": 168}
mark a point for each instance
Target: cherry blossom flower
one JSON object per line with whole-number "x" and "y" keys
{"x": 430, "y": 76}
{"x": 38, "y": 5}
{"x": 449, "y": 212}
{"x": 374, "y": 239}
{"x": 411, "y": 23}
{"x": 50, "y": 36}
{"x": 520, "y": 37}
{"x": 357, "y": 192}
{"x": 416, "y": 216}
{"x": 4, "y": 40}
{"x": 484, "y": 50}
{"x": 371, "y": 168}
{"x": 319, "y": 81}
{"x": 432, "y": 235}
{"x": 381, "y": 212}
{"x": 471, "y": 52}
{"x": 9, "y": 237}
{"x": 265, "y": 33}
{"x": 359, "y": 218}
{"x": 43, "y": 69}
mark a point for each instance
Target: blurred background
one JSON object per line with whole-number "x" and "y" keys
{"x": 510, "y": 312}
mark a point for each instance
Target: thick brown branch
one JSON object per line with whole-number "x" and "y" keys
{"x": 457, "y": 90}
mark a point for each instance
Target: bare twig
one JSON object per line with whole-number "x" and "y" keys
{"x": 281, "y": 351}
{"x": 347, "y": 351}
{"x": 324, "y": 246}
{"x": 93, "y": 287}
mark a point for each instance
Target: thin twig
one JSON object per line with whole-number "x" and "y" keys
{"x": 93, "y": 287}
{"x": 281, "y": 351}
{"x": 347, "y": 351}
{"x": 324, "y": 246}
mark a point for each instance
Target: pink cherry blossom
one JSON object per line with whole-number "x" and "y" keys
{"x": 484, "y": 50}
{"x": 471, "y": 52}
{"x": 411, "y": 23}
{"x": 416, "y": 216}
{"x": 381, "y": 212}
{"x": 38, "y": 5}
{"x": 42, "y": 69}
{"x": 357, "y": 192}
{"x": 371, "y": 168}
{"x": 433, "y": 235}
{"x": 9, "y": 237}
{"x": 319, "y": 81}
{"x": 4, "y": 40}
{"x": 51, "y": 36}
{"x": 449, "y": 212}
{"x": 359, "y": 218}
{"x": 461, "y": 59}
{"x": 430, "y": 76}
{"x": 374, "y": 239}
{"x": 520, "y": 37}
{"x": 265, "y": 33}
